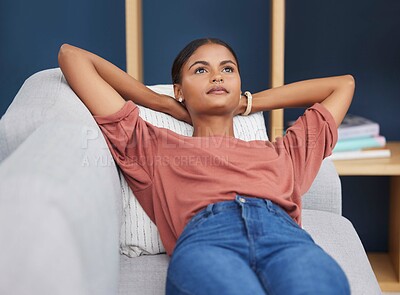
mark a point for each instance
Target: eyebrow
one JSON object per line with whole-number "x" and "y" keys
{"x": 203, "y": 62}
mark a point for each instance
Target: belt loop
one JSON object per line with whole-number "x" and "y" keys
{"x": 269, "y": 205}
{"x": 209, "y": 208}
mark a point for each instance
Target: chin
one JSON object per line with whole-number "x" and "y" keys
{"x": 222, "y": 110}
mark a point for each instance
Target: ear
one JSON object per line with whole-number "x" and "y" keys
{"x": 178, "y": 92}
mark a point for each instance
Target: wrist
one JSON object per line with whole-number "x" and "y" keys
{"x": 166, "y": 104}
{"x": 242, "y": 105}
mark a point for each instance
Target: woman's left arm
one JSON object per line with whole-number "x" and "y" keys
{"x": 335, "y": 93}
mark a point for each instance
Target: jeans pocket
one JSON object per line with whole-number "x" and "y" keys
{"x": 197, "y": 219}
{"x": 286, "y": 217}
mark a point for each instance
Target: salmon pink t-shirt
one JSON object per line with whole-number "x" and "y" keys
{"x": 175, "y": 176}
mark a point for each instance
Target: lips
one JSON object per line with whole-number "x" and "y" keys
{"x": 217, "y": 90}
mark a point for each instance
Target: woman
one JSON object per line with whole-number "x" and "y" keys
{"x": 233, "y": 227}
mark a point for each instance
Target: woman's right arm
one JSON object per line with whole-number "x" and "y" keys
{"x": 104, "y": 88}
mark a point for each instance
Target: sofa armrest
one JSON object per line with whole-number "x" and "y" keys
{"x": 59, "y": 227}
{"x": 44, "y": 96}
{"x": 325, "y": 193}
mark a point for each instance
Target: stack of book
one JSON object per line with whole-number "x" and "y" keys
{"x": 358, "y": 138}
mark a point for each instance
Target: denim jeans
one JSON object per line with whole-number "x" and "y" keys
{"x": 250, "y": 246}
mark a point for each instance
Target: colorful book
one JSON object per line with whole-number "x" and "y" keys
{"x": 361, "y": 154}
{"x": 360, "y": 143}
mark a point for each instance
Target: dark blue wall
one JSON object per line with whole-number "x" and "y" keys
{"x": 31, "y": 32}
{"x": 357, "y": 37}
{"x": 323, "y": 38}
{"x": 173, "y": 24}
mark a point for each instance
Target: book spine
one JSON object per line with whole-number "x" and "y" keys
{"x": 360, "y": 143}
{"x": 358, "y": 131}
{"x": 352, "y": 155}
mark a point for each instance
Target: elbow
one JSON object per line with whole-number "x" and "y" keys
{"x": 350, "y": 80}
{"x": 61, "y": 53}
{"x": 64, "y": 51}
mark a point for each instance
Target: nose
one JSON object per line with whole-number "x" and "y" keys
{"x": 217, "y": 79}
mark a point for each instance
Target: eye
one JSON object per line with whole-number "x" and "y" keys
{"x": 200, "y": 70}
{"x": 228, "y": 69}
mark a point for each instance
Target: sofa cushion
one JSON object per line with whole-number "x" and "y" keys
{"x": 143, "y": 275}
{"x": 335, "y": 234}
{"x": 325, "y": 193}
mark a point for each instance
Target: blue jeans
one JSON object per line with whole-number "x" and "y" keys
{"x": 250, "y": 246}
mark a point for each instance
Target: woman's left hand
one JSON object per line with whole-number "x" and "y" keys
{"x": 176, "y": 109}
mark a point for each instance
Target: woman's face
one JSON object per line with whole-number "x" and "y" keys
{"x": 210, "y": 83}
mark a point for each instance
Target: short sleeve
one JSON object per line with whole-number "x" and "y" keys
{"x": 132, "y": 144}
{"x": 309, "y": 141}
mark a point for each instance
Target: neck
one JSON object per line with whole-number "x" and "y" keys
{"x": 213, "y": 126}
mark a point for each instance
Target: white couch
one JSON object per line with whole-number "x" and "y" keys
{"x": 60, "y": 219}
